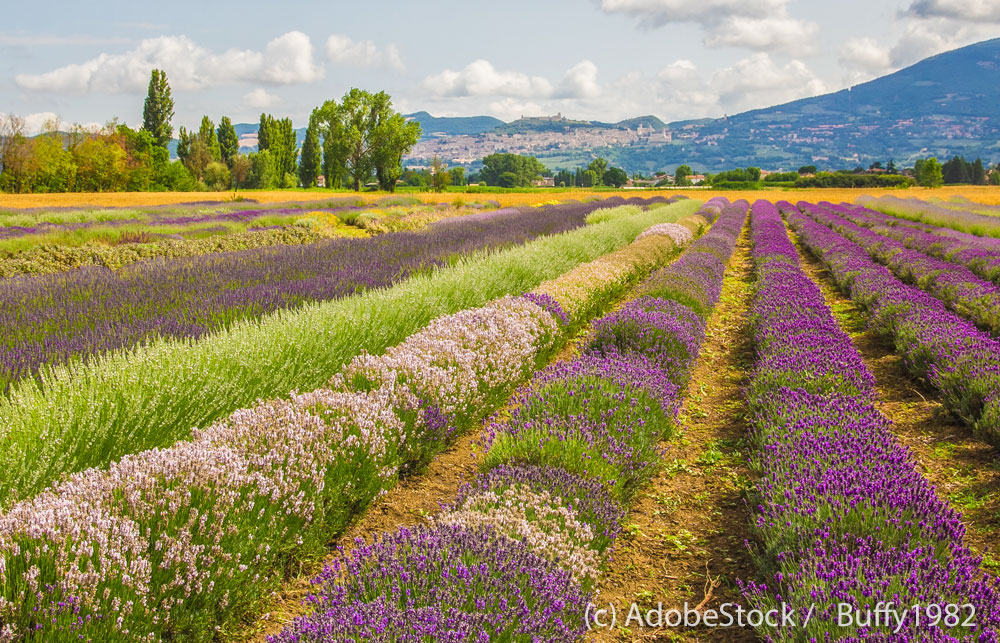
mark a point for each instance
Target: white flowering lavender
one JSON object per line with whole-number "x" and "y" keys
{"x": 677, "y": 233}
{"x": 542, "y": 521}
{"x": 459, "y": 360}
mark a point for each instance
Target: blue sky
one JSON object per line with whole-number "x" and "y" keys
{"x": 595, "y": 59}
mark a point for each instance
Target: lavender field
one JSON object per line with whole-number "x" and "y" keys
{"x": 508, "y": 424}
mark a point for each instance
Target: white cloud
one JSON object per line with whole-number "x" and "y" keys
{"x": 509, "y": 109}
{"x": 287, "y": 59}
{"x": 965, "y": 10}
{"x": 762, "y": 25}
{"x": 865, "y": 54}
{"x": 926, "y": 37}
{"x": 580, "y": 81}
{"x": 260, "y": 98}
{"x": 773, "y": 33}
{"x": 679, "y": 71}
{"x": 343, "y": 50}
{"x": 662, "y": 12}
{"x": 757, "y": 81}
{"x": 481, "y": 78}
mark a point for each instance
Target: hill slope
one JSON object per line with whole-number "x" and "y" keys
{"x": 945, "y": 105}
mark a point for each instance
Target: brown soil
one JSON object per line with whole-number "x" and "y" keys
{"x": 692, "y": 520}
{"x": 964, "y": 469}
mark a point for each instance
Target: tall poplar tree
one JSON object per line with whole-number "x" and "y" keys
{"x": 309, "y": 162}
{"x": 229, "y": 142}
{"x": 158, "y": 109}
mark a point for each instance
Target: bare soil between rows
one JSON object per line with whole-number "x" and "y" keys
{"x": 692, "y": 521}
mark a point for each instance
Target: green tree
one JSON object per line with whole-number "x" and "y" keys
{"x": 808, "y": 169}
{"x": 929, "y": 173}
{"x": 978, "y": 172}
{"x": 522, "y": 170}
{"x": 681, "y": 175}
{"x": 615, "y": 176}
{"x": 440, "y": 178}
{"x": 184, "y": 140}
{"x": 599, "y": 166}
{"x": 206, "y": 134}
{"x": 588, "y": 179}
{"x": 229, "y": 142}
{"x": 364, "y": 137}
{"x": 217, "y": 176}
{"x": 311, "y": 158}
{"x": 158, "y": 110}
{"x": 458, "y": 175}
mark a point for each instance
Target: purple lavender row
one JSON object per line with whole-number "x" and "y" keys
{"x": 957, "y": 358}
{"x": 54, "y": 319}
{"x": 981, "y": 255}
{"x": 957, "y": 217}
{"x": 844, "y": 516}
{"x": 957, "y": 286}
{"x": 242, "y": 216}
{"x": 538, "y": 521}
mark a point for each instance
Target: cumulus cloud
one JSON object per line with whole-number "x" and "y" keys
{"x": 762, "y": 25}
{"x": 259, "y": 98}
{"x": 758, "y": 81}
{"x": 509, "y": 109}
{"x": 965, "y": 10}
{"x": 580, "y": 81}
{"x": 865, "y": 54}
{"x": 343, "y": 50}
{"x": 287, "y": 59}
{"x": 481, "y": 78}
{"x": 777, "y": 33}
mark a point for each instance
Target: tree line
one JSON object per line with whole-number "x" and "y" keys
{"x": 350, "y": 143}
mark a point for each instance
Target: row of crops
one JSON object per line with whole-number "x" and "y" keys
{"x": 844, "y": 516}
{"x": 567, "y": 336}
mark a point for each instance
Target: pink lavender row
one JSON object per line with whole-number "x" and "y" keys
{"x": 843, "y": 515}
{"x": 167, "y": 543}
{"x": 978, "y": 254}
{"x": 515, "y": 556}
{"x": 957, "y": 358}
{"x": 956, "y": 285}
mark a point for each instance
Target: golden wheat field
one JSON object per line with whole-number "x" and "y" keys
{"x": 988, "y": 195}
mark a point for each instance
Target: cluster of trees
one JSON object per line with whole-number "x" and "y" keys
{"x": 744, "y": 175}
{"x": 359, "y": 139}
{"x": 595, "y": 174}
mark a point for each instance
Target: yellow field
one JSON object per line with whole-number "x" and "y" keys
{"x": 988, "y": 195}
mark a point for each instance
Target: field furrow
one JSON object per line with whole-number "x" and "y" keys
{"x": 688, "y": 528}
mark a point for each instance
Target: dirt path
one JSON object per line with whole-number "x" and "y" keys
{"x": 692, "y": 520}
{"x": 965, "y": 470}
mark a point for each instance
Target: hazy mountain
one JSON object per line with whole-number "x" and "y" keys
{"x": 453, "y": 126}
{"x": 945, "y": 105}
